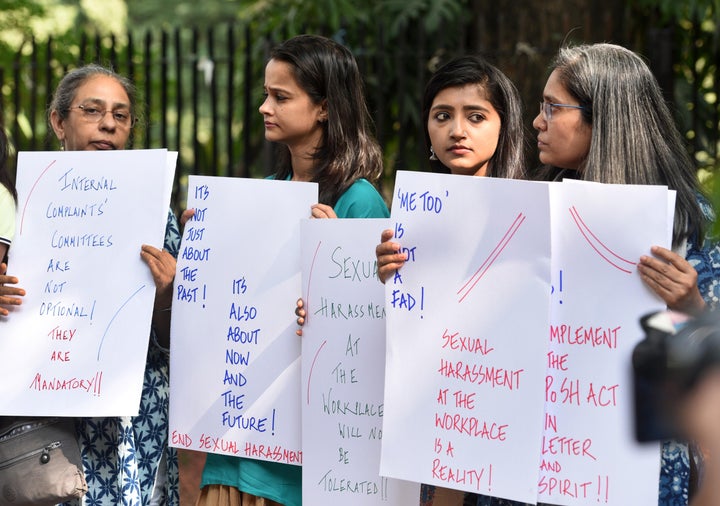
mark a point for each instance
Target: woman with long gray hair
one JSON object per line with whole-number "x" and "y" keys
{"x": 603, "y": 118}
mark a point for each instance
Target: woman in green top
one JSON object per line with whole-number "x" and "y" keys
{"x": 315, "y": 110}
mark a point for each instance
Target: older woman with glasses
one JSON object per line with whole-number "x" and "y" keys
{"x": 126, "y": 459}
{"x": 603, "y": 118}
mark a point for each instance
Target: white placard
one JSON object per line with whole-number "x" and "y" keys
{"x": 589, "y": 454}
{"x": 343, "y": 367}
{"x": 467, "y": 334}
{"x": 235, "y": 358}
{"x": 77, "y": 345}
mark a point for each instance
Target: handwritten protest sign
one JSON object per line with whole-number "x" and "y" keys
{"x": 467, "y": 320}
{"x": 77, "y": 345}
{"x": 343, "y": 367}
{"x": 235, "y": 358}
{"x": 589, "y": 455}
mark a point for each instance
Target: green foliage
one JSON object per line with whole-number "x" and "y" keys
{"x": 13, "y": 22}
{"x": 16, "y": 12}
{"x": 147, "y": 14}
{"x": 677, "y": 10}
{"x": 696, "y": 26}
{"x": 431, "y": 14}
{"x": 285, "y": 18}
{"x": 397, "y": 43}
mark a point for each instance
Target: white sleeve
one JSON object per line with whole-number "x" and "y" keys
{"x": 7, "y": 216}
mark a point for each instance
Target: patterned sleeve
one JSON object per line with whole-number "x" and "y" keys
{"x": 172, "y": 245}
{"x": 172, "y": 235}
{"x": 705, "y": 258}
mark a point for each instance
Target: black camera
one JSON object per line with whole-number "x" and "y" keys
{"x": 667, "y": 364}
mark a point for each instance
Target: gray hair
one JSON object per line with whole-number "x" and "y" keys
{"x": 634, "y": 139}
{"x": 69, "y": 84}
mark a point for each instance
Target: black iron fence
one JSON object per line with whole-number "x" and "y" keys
{"x": 202, "y": 87}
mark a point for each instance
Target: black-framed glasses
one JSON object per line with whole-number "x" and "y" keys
{"x": 94, "y": 114}
{"x": 546, "y": 108}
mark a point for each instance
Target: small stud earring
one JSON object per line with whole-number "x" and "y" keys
{"x": 433, "y": 156}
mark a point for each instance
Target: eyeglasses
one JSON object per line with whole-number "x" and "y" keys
{"x": 94, "y": 114}
{"x": 546, "y": 108}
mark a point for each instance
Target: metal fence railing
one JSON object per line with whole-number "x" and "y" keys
{"x": 202, "y": 88}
